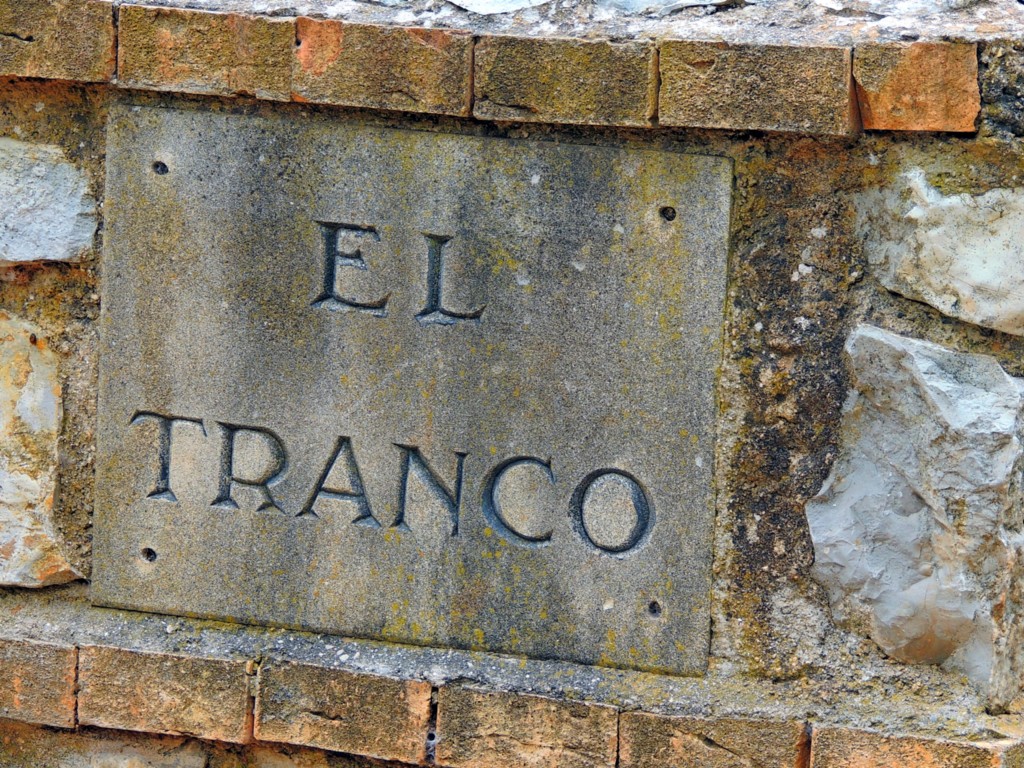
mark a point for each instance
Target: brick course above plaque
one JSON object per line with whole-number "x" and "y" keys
{"x": 789, "y": 88}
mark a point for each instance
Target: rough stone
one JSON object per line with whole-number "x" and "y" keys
{"x": 488, "y": 7}
{"x": 914, "y": 529}
{"x": 285, "y": 756}
{"x": 62, "y": 40}
{"x": 659, "y": 741}
{"x": 400, "y": 68}
{"x": 335, "y": 709}
{"x": 31, "y": 554}
{"x": 482, "y": 729}
{"x": 46, "y": 210}
{"x": 554, "y": 80}
{"x": 907, "y": 9}
{"x": 1002, "y": 86}
{"x": 959, "y": 253}
{"x": 164, "y": 693}
{"x": 744, "y": 87}
{"x": 849, "y": 748}
{"x": 38, "y": 683}
{"x": 221, "y": 54}
{"x": 445, "y": 437}
{"x": 918, "y": 86}
{"x": 22, "y": 746}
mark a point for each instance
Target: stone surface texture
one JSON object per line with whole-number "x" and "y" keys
{"x": 31, "y": 554}
{"x": 550, "y": 80}
{"x": 222, "y": 54}
{"x": 381, "y": 717}
{"x": 848, "y": 748}
{"x": 958, "y": 252}
{"x": 63, "y": 40}
{"x": 739, "y": 87}
{"x": 164, "y": 693}
{"x": 485, "y": 729}
{"x": 398, "y": 68}
{"x": 1001, "y": 64}
{"x": 38, "y": 683}
{"x": 918, "y": 86}
{"x": 446, "y": 459}
{"x": 915, "y": 532}
{"x": 796, "y": 285}
{"x": 658, "y": 741}
{"x": 22, "y": 746}
{"x": 46, "y": 210}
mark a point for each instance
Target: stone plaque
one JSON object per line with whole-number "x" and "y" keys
{"x": 426, "y": 388}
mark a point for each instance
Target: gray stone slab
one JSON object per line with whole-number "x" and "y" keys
{"x": 427, "y": 388}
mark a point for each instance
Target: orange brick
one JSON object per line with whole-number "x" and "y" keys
{"x": 221, "y": 54}
{"x": 918, "y": 86}
{"x": 37, "y": 682}
{"x": 164, "y": 693}
{"x": 62, "y": 40}
{"x": 335, "y": 709}
{"x": 658, "y": 741}
{"x": 845, "y": 748}
{"x": 398, "y": 68}
{"x": 743, "y": 87}
{"x": 553, "y": 80}
{"x": 481, "y": 729}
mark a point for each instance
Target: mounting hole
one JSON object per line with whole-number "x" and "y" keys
{"x": 431, "y": 737}
{"x": 654, "y": 608}
{"x": 668, "y": 213}
{"x": 149, "y": 555}
{"x": 160, "y": 168}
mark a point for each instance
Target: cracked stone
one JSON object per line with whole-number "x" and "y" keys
{"x": 648, "y": 740}
{"x": 30, "y": 416}
{"x": 382, "y": 717}
{"x": 483, "y": 729}
{"x": 916, "y": 530}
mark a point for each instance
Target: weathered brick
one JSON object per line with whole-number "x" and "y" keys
{"x": 657, "y": 741}
{"x": 399, "y": 68}
{"x": 26, "y": 746}
{"x": 847, "y": 748}
{"x": 479, "y": 729}
{"x": 37, "y": 682}
{"x": 164, "y": 693}
{"x": 222, "y": 54}
{"x": 62, "y": 40}
{"x": 372, "y": 715}
{"x": 918, "y": 86}
{"x": 741, "y": 87}
{"x": 585, "y": 82}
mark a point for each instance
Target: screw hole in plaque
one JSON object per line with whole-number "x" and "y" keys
{"x": 654, "y": 609}
{"x": 668, "y": 213}
{"x": 160, "y": 168}
{"x": 149, "y": 555}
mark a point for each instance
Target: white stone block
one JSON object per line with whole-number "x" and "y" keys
{"x": 961, "y": 254}
{"x": 46, "y": 211}
{"x": 915, "y": 531}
